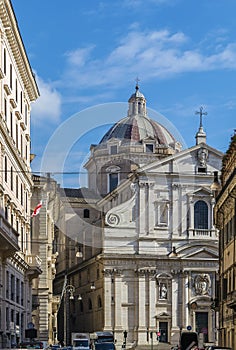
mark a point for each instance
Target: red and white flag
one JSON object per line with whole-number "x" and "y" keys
{"x": 37, "y": 209}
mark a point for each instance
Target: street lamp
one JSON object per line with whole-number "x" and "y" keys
{"x": 69, "y": 291}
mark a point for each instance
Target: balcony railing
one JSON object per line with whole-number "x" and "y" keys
{"x": 202, "y": 234}
{"x": 35, "y": 265}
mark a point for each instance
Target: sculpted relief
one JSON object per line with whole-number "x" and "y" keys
{"x": 202, "y": 284}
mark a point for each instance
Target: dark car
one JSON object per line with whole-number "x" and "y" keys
{"x": 104, "y": 346}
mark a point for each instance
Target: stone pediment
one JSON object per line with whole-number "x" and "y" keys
{"x": 149, "y": 138}
{"x": 202, "y": 191}
{"x": 200, "y": 254}
{"x": 185, "y": 160}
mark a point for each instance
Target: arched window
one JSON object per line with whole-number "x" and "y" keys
{"x": 201, "y": 215}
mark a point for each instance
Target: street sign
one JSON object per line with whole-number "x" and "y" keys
{"x": 189, "y": 328}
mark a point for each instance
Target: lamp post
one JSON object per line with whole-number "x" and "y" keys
{"x": 69, "y": 291}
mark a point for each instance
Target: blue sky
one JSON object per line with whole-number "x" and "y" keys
{"x": 87, "y": 54}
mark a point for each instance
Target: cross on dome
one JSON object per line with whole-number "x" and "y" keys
{"x": 201, "y": 113}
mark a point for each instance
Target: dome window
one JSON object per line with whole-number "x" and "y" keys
{"x": 149, "y": 148}
{"x": 113, "y": 149}
{"x": 86, "y": 213}
{"x": 113, "y": 181}
{"x": 113, "y": 177}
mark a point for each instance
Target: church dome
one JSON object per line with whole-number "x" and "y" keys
{"x": 137, "y": 126}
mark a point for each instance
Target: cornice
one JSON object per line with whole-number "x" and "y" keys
{"x": 13, "y": 36}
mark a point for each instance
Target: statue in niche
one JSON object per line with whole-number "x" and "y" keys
{"x": 202, "y": 284}
{"x": 202, "y": 156}
{"x": 163, "y": 291}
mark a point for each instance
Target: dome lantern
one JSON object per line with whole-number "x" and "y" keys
{"x": 137, "y": 103}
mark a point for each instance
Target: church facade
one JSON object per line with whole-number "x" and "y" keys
{"x": 155, "y": 270}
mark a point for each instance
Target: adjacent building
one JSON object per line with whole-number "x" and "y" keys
{"x": 18, "y": 266}
{"x": 152, "y": 248}
{"x": 45, "y": 197}
{"x": 225, "y": 216}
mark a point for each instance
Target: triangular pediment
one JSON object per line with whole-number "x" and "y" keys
{"x": 113, "y": 140}
{"x": 200, "y": 253}
{"x": 201, "y": 191}
{"x": 187, "y": 157}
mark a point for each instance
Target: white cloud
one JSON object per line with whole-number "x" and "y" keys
{"x": 80, "y": 56}
{"x": 149, "y": 54}
{"x": 48, "y": 106}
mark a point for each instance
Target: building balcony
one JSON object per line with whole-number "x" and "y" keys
{"x": 202, "y": 234}
{"x": 8, "y": 239}
{"x": 34, "y": 263}
{"x": 231, "y": 300}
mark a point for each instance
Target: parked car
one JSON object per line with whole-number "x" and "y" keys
{"x": 104, "y": 346}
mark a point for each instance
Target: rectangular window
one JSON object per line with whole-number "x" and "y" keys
{"x": 11, "y": 76}
{"x": 5, "y": 109}
{"x": 4, "y": 62}
{"x": 17, "y": 136}
{"x": 22, "y": 293}
{"x": 16, "y": 91}
{"x": 149, "y": 148}
{"x": 7, "y": 285}
{"x": 26, "y": 115}
{"x": 11, "y": 124}
{"x": 113, "y": 181}
{"x": 21, "y": 146}
{"x": 113, "y": 149}
{"x": 12, "y": 287}
{"x": 202, "y": 170}
{"x": 162, "y": 214}
{"x": 21, "y": 102}
{"x": 17, "y": 290}
{"x": 224, "y": 290}
{"x": 17, "y": 187}
{"x": 7, "y": 319}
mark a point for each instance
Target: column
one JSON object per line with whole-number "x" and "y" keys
{"x": 146, "y": 206}
{"x": 118, "y": 301}
{"x": 186, "y": 284}
{"x": 152, "y": 302}
{"x": 151, "y": 207}
{"x": 142, "y": 324}
{"x": 142, "y": 211}
{"x": 108, "y": 317}
{"x": 174, "y": 300}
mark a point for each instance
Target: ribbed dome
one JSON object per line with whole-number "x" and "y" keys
{"x": 137, "y": 126}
